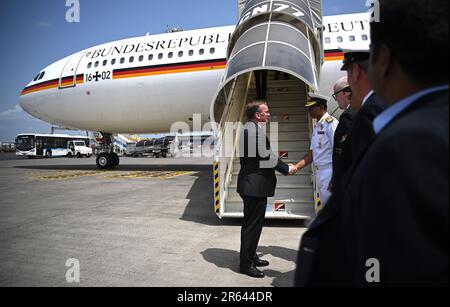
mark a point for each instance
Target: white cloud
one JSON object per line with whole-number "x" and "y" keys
{"x": 12, "y": 111}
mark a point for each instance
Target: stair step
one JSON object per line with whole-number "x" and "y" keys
{"x": 284, "y": 191}
{"x": 292, "y": 146}
{"x": 288, "y": 118}
{"x": 301, "y": 178}
{"x": 293, "y": 136}
{"x": 282, "y": 111}
{"x": 293, "y": 103}
{"x": 236, "y": 205}
{"x": 290, "y": 160}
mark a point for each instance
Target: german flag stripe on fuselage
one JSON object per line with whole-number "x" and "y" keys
{"x": 135, "y": 72}
{"x": 334, "y": 55}
{"x": 330, "y": 55}
{"x": 66, "y": 81}
{"x": 169, "y": 69}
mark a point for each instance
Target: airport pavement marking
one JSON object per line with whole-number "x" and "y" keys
{"x": 148, "y": 174}
{"x": 65, "y": 175}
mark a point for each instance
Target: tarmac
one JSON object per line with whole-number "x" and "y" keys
{"x": 149, "y": 223}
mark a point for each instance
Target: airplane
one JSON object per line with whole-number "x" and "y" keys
{"x": 144, "y": 84}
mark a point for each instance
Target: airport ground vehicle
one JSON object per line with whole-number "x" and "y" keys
{"x": 143, "y": 148}
{"x": 7, "y": 147}
{"x": 46, "y": 145}
{"x": 155, "y": 147}
{"x": 78, "y": 149}
{"x": 161, "y": 146}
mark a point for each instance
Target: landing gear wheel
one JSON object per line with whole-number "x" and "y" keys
{"x": 104, "y": 161}
{"x": 107, "y": 160}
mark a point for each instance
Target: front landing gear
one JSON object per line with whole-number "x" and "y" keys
{"x": 107, "y": 160}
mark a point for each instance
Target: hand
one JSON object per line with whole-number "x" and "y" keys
{"x": 293, "y": 169}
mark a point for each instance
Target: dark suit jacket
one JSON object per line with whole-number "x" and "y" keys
{"x": 361, "y": 135}
{"x": 394, "y": 210}
{"x": 361, "y": 131}
{"x": 341, "y": 161}
{"x": 258, "y": 164}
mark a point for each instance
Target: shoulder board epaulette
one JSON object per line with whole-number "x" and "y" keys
{"x": 330, "y": 119}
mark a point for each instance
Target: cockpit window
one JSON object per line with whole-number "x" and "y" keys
{"x": 39, "y": 76}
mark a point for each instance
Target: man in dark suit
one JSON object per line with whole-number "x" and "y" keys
{"x": 256, "y": 182}
{"x": 392, "y": 229}
{"x": 342, "y": 94}
{"x": 366, "y": 105}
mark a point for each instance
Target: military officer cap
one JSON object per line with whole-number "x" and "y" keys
{"x": 355, "y": 52}
{"x": 316, "y": 99}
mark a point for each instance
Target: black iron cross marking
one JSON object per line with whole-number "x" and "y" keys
{"x": 97, "y": 76}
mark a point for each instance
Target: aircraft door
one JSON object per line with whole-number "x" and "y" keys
{"x": 69, "y": 74}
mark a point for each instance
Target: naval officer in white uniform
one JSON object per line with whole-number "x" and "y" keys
{"x": 322, "y": 142}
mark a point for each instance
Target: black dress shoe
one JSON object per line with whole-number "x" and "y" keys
{"x": 260, "y": 262}
{"x": 252, "y": 272}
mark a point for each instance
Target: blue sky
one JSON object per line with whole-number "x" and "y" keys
{"x": 35, "y": 34}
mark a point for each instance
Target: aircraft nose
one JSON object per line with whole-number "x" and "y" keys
{"x": 26, "y": 104}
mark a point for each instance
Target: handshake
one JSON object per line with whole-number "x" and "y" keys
{"x": 293, "y": 169}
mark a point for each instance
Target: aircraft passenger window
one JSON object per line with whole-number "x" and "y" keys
{"x": 150, "y": 57}
{"x": 96, "y": 64}
{"x": 201, "y": 51}
{"x": 170, "y": 55}
{"x": 122, "y": 60}
{"x": 131, "y": 59}
{"x": 105, "y": 62}
{"x": 41, "y": 75}
{"x": 141, "y": 58}
{"x": 365, "y": 37}
{"x": 180, "y": 54}
{"x": 212, "y": 50}
{"x": 327, "y": 40}
{"x": 89, "y": 65}
{"x": 339, "y": 39}
{"x": 160, "y": 56}
{"x": 113, "y": 61}
{"x": 191, "y": 52}
{"x": 352, "y": 38}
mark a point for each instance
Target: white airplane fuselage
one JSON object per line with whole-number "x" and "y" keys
{"x": 145, "y": 84}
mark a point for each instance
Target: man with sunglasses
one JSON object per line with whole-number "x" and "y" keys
{"x": 342, "y": 94}
{"x": 364, "y": 102}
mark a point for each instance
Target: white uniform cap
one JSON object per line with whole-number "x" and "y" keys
{"x": 355, "y": 52}
{"x": 316, "y": 99}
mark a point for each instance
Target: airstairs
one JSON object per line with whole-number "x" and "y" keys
{"x": 287, "y": 45}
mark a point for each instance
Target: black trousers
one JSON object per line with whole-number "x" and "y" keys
{"x": 254, "y": 216}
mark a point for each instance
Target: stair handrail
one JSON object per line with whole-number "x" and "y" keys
{"x": 229, "y": 170}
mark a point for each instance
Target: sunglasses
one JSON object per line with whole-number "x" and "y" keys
{"x": 344, "y": 90}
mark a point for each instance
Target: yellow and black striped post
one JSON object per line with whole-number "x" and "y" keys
{"x": 216, "y": 187}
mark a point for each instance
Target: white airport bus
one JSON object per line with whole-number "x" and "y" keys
{"x": 52, "y": 145}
